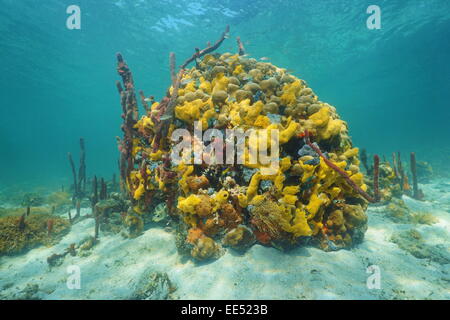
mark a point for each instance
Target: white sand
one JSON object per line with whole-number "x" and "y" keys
{"x": 116, "y": 264}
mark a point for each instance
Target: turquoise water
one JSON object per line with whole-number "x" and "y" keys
{"x": 391, "y": 85}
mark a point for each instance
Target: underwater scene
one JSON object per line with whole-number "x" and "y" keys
{"x": 225, "y": 150}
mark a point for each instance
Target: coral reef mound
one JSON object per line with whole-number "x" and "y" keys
{"x": 315, "y": 195}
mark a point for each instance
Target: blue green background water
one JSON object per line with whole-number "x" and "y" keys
{"x": 391, "y": 85}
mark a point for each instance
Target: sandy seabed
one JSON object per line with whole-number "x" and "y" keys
{"x": 116, "y": 266}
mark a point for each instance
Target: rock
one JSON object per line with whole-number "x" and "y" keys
{"x": 232, "y": 87}
{"x": 190, "y": 96}
{"x": 256, "y": 74}
{"x": 55, "y": 260}
{"x": 219, "y": 97}
{"x": 218, "y": 69}
{"x": 313, "y": 108}
{"x": 153, "y": 286}
{"x": 160, "y": 212}
{"x": 240, "y": 238}
{"x": 135, "y": 224}
{"x": 205, "y": 249}
{"x": 253, "y": 87}
{"x": 306, "y": 92}
{"x": 269, "y": 85}
{"x": 286, "y": 78}
{"x": 271, "y": 107}
{"x": 242, "y": 95}
{"x": 234, "y": 80}
{"x": 29, "y": 292}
